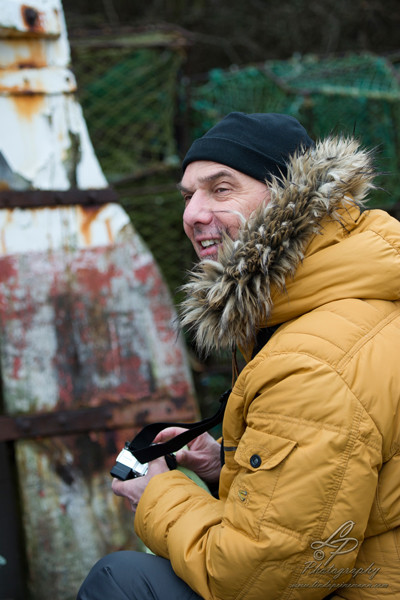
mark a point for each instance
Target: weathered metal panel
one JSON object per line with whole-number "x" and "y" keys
{"x": 56, "y": 198}
{"x": 39, "y": 18}
{"x": 97, "y": 318}
{"x": 45, "y": 142}
{"x": 56, "y": 152}
{"x": 110, "y": 414}
{"x": 33, "y": 53}
{"x": 38, "y": 81}
{"x": 65, "y": 229}
{"x": 80, "y": 323}
{"x": 84, "y": 313}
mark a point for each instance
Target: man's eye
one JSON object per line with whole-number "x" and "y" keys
{"x": 221, "y": 190}
{"x": 187, "y": 198}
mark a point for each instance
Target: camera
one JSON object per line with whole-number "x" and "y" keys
{"x": 127, "y": 466}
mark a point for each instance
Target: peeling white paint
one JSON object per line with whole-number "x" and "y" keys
{"x": 50, "y": 21}
{"x": 47, "y": 80}
{"x": 44, "y": 143}
{"x": 56, "y": 153}
{"x": 69, "y": 227}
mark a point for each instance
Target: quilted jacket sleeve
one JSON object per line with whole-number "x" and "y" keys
{"x": 296, "y": 490}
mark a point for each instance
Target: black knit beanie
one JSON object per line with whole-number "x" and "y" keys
{"x": 257, "y": 144}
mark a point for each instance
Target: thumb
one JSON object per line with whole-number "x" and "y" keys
{"x": 182, "y": 458}
{"x": 188, "y": 459}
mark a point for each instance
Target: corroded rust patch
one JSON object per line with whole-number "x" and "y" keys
{"x": 28, "y": 105}
{"x": 88, "y": 215}
{"x": 32, "y": 19}
{"x": 35, "y": 59}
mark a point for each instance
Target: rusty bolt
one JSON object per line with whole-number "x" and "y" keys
{"x": 30, "y": 16}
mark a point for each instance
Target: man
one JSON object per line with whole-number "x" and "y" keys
{"x": 306, "y": 283}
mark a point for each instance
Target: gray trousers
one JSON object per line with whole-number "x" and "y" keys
{"x": 134, "y": 576}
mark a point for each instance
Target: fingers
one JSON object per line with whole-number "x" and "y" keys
{"x": 156, "y": 467}
{"x": 181, "y": 458}
{"x": 115, "y": 486}
{"x": 194, "y": 461}
{"x": 132, "y": 489}
{"x": 167, "y": 434}
{"x": 126, "y": 490}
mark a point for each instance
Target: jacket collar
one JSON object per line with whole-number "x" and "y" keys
{"x": 229, "y": 300}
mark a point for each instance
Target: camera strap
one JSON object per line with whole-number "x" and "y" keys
{"x": 142, "y": 448}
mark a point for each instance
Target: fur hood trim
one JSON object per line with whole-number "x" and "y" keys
{"x": 228, "y": 300}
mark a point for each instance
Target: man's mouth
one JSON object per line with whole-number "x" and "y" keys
{"x": 208, "y": 248}
{"x": 208, "y": 243}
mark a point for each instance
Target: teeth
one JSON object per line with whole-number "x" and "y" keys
{"x": 206, "y": 243}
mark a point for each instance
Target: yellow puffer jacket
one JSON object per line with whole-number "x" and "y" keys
{"x": 309, "y": 501}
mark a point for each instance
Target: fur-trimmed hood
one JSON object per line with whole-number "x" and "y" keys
{"x": 227, "y": 301}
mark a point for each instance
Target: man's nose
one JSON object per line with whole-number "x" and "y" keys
{"x": 198, "y": 210}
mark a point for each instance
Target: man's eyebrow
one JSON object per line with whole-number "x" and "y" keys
{"x": 182, "y": 188}
{"x": 215, "y": 176}
{"x": 209, "y": 179}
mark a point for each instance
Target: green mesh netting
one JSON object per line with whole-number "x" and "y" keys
{"x": 129, "y": 101}
{"x": 155, "y": 207}
{"x": 352, "y": 95}
{"x": 351, "y": 75}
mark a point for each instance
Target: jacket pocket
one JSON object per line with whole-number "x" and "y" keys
{"x": 260, "y": 459}
{"x": 258, "y": 450}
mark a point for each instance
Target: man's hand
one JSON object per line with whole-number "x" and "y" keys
{"x": 132, "y": 489}
{"x": 203, "y": 456}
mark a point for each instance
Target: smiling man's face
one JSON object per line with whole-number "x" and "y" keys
{"x": 216, "y": 196}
